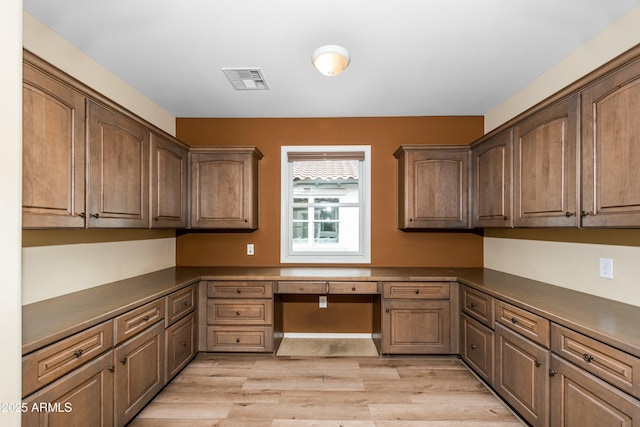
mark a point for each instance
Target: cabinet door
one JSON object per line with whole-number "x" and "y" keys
{"x": 581, "y": 400}
{"x": 139, "y": 372}
{"x": 82, "y": 398}
{"x": 433, "y": 188}
{"x": 491, "y": 163}
{"x": 545, "y": 175}
{"x": 477, "y": 347}
{"x": 521, "y": 375}
{"x": 416, "y": 327}
{"x": 610, "y": 154}
{"x": 168, "y": 183}
{"x": 118, "y": 170}
{"x": 181, "y": 342}
{"x": 224, "y": 189}
{"x": 53, "y": 120}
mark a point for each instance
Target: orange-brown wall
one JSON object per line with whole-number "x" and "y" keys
{"x": 390, "y": 246}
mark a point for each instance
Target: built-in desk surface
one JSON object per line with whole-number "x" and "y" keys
{"x": 612, "y": 322}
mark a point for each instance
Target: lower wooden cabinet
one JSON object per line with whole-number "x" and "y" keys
{"x": 580, "y": 399}
{"x": 521, "y": 375}
{"x": 181, "y": 345}
{"x": 476, "y": 347}
{"x": 139, "y": 372}
{"x": 82, "y": 398}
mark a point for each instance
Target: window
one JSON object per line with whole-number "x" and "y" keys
{"x": 325, "y": 214}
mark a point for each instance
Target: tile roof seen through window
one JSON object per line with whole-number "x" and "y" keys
{"x": 330, "y": 170}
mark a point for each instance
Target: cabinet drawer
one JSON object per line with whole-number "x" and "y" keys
{"x": 180, "y": 303}
{"x": 180, "y": 341}
{"x": 416, "y": 290}
{"x": 137, "y": 320}
{"x": 239, "y": 289}
{"x": 353, "y": 287}
{"x": 530, "y": 325}
{"x": 238, "y": 338}
{"x": 239, "y": 312}
{"x": 303, "y": 287}
{"x": 612, "y": 365}
{"x": 477, "y": 347}
{"x": 50, "y": 363}
{"x": 477, "y": 305}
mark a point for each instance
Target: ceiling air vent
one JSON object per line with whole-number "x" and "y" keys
{"x": 246, "y": 78}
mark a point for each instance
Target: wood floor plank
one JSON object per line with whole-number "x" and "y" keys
{"x": 265, "y": 391}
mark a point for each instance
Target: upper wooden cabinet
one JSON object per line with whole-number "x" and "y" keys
{"x": 118, "y": 178}
{"x": 491, "y": 176}
{"x": 169, "y": 200}
{"x": 225, "y": 188}
{"x": 610, "y": 154}
{"x": 545, "y": 175}
{"x": 433, "y": 186}
{"x": 53, "y": 166}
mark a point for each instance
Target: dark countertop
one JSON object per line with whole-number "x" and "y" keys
{"x": 612, "y": 322}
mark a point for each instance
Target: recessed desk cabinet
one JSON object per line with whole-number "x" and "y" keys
{"x": 239, "y": 316}
{"x": 416, "y": 317}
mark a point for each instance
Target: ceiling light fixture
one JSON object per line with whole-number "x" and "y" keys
{"x": 331, "y": 59}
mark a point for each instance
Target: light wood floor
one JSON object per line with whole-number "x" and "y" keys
{"x": 257, "y": 391}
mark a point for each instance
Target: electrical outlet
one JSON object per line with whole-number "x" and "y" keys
{"x": 250, "y": 249}
{"x": 323, "y": 302}
{"x": 606, "y": 268}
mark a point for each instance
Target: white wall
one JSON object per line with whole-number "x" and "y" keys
{"x": 10, "y": 200}
{"x": 568, "y": 264}
{"x": 49, "y": 271}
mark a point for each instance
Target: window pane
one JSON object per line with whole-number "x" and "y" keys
{"x": 300, "y": 214}
{"x": 326, "y": 232}
{"x": 300, "y": 200}
{"x": 329, "y": 212}
{"x": 300, "y": 232}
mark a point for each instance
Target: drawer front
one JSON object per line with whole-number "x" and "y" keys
{"x": 353, "y": 287}
{"x": 239, "y": 312}
{"x": 303, "y": 287}
{"x": 416, "y": 290}
{"x": 181, "y": 345}
{"x": 477, "y": 347}
{"x": 612, "y": 365}
{"x": 530, "y": 325}
{"x": 137, "y": 320}
{"x": 240, "y": 339}
{"x": 239, "y": 289}
{"x": 180, "y": 303}
{"x": 477, "y": 305}
{"x": 50, "y": 363}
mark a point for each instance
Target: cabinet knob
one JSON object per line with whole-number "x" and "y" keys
{"x": 473, "y": 346}
{"x": 82, "y": 215}
{"x": 237, "y": 340}
{"x": 584, "y": 213}
{"x": 156, "y": 218}
{"x": 569, "y": 214}
{"x": 238, "y": 291}
{"x": 353, "y": 288}
{"x": 111, "y": 368}
{"x": 237, "y": 313}
{"x": 387, "y": 310}
{"x": 538, "y": 363}
{"x": 184, "y": 343}
{"x": 146, "y": 318}
{"x": 410, "y": 219}
{"x": 417, "y": 291}
{"x": 472, "y": 305}
{"x": 123, "y": 360}
{"x": 514, "y": 320}
{"x": 96, "y": 215}
{"x": 587, "y": 357}
{"x": 301, "y": 288}
{"x": 506, "y": 218}
{"x": 246, "y": 220}
{"x": 78, "y": 352}
{"x": 552, "y": 372}
{"x": 186, "y": 304}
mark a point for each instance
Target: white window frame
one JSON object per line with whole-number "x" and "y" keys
{"x": 286, "y": 197}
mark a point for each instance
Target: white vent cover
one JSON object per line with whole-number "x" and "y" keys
{"x": 246, "y": 78}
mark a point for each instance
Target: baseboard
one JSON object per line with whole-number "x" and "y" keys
{"x": 328, "y": 335}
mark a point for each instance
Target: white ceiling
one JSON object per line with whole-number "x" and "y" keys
{"x": 409, "y": 57}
